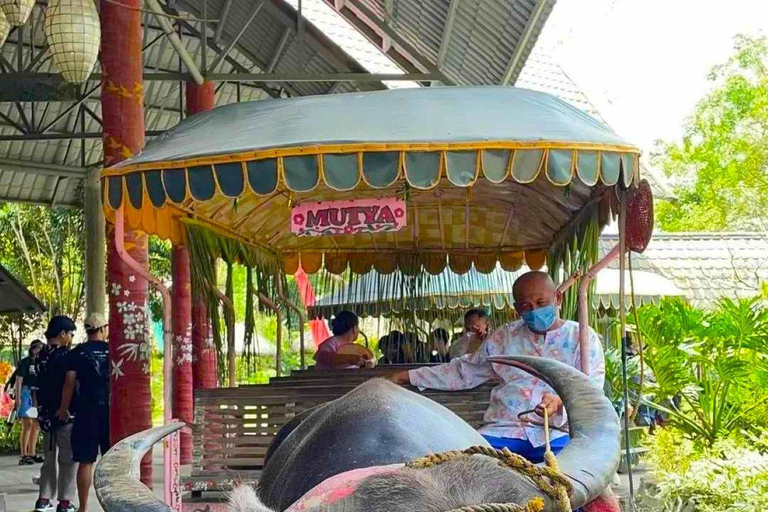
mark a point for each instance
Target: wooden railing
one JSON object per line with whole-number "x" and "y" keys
{"x": 234, "y": 426}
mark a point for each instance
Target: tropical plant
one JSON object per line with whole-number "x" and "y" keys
{"x": 614, "y": 380}
{"x": 730, "y": 476}
{"x": 710, "y": 363}
{"x": 9, "y": 437}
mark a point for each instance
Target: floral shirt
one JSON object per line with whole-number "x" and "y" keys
{"x": 518, "y": 391}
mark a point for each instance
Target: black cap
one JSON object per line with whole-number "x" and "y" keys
{"x": 58, "y": 324}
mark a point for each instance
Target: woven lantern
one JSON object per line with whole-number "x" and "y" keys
{"x": 5, "y": 28}
{"x": 17, "y": 11}
{"x": 73, "y": 32}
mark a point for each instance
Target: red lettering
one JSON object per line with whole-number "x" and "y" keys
{"x": 353, "y": 215}
{"x": 386, "y": 216}
{"x": 370, "y": 213}
{"x": 318, "y": 218}
{"x": 336, "y": 217}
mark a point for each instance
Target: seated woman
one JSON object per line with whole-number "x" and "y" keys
{"x": 338, "y": 352}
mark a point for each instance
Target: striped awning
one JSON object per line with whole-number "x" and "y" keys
{"x": 489, "y": 174}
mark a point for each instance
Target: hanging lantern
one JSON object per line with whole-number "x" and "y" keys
{"x": 17, "y": 11}
{"x": 5, "y": 28}
{"x": 73, "y": 32}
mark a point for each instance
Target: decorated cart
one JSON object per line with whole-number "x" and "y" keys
{"x": 419, "y": 182}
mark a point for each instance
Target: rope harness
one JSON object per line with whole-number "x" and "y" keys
{"x": 549, "y": 479}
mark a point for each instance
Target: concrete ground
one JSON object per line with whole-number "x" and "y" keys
{"x": 20, "y": 492}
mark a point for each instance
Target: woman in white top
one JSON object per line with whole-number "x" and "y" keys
{"x": 476, "y": 323}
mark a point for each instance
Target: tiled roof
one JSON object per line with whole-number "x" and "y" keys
{"x": 706, "y": 266}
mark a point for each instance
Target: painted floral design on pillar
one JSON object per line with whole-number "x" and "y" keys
{"x": 129, "y": 342}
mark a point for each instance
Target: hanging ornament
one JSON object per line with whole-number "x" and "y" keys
{"x": 73, "y": 32}
{"x": 5, "y": 28}
{"x": 17, "y": 11}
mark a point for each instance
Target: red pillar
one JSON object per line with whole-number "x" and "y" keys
{"x": 122, "y": 100}
{"x": 129, "y": 344}
{"x": 200, "y": 98}
{"x": 181, "y": 300}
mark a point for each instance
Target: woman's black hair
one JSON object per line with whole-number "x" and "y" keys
{"x": 33, "y": 345}
{"x": 343, "y": 322}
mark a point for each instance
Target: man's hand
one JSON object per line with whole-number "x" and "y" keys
{"x": 551, "y": 403}
{"x": 400, "y": 378}
{"x": 63, "y": 415}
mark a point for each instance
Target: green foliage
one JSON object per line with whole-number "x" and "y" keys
{"x": 156, "y": 387}
{"x": 159, "y": 266}
{"x": 44, "y": 248}
{"x": 715, "y": 362}
{"x": 721, "y": 166}
{"x": 728, "y": 477}
{"x": 9, "y": 437}
{"x": 614, "y": 383}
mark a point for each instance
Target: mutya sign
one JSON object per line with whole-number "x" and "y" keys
{"x": 348, "y": 217}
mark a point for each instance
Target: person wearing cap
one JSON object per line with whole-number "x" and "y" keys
{"x": 86, "y": 394}
{"x": 26, "y": 405}
{"x": 57, "y": 474}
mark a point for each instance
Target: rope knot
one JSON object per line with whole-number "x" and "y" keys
{"x": 547, "y": 478}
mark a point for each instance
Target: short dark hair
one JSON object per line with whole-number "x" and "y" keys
{"x": 59, "y": 324}
{"x": 479, "y": 312}
{"x": 343, "y": 322}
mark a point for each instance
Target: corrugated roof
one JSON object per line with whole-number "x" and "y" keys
{"x": 471, "y": 42}
{"x": 479, "y": 41}
{"x": 705, "y": 266}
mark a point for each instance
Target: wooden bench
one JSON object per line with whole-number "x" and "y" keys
{"x": 234, "y": 426}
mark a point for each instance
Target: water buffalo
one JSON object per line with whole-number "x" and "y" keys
{"x": 380, "y": 425}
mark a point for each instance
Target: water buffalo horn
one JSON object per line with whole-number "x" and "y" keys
{"x": 592, "y": 456}
{"x": 116, "y": 478}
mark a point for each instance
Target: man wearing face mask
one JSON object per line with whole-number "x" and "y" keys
{"x": 540, "y": 332}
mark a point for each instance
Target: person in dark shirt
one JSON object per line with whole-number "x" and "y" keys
{"x": 26, "y": 405}
{"x": 57, "y": 474}
{"x": 86, "y": 395}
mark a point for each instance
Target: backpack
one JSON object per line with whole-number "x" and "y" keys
{"x": 97, "y": 379}
{"x": 50, "y": 383}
